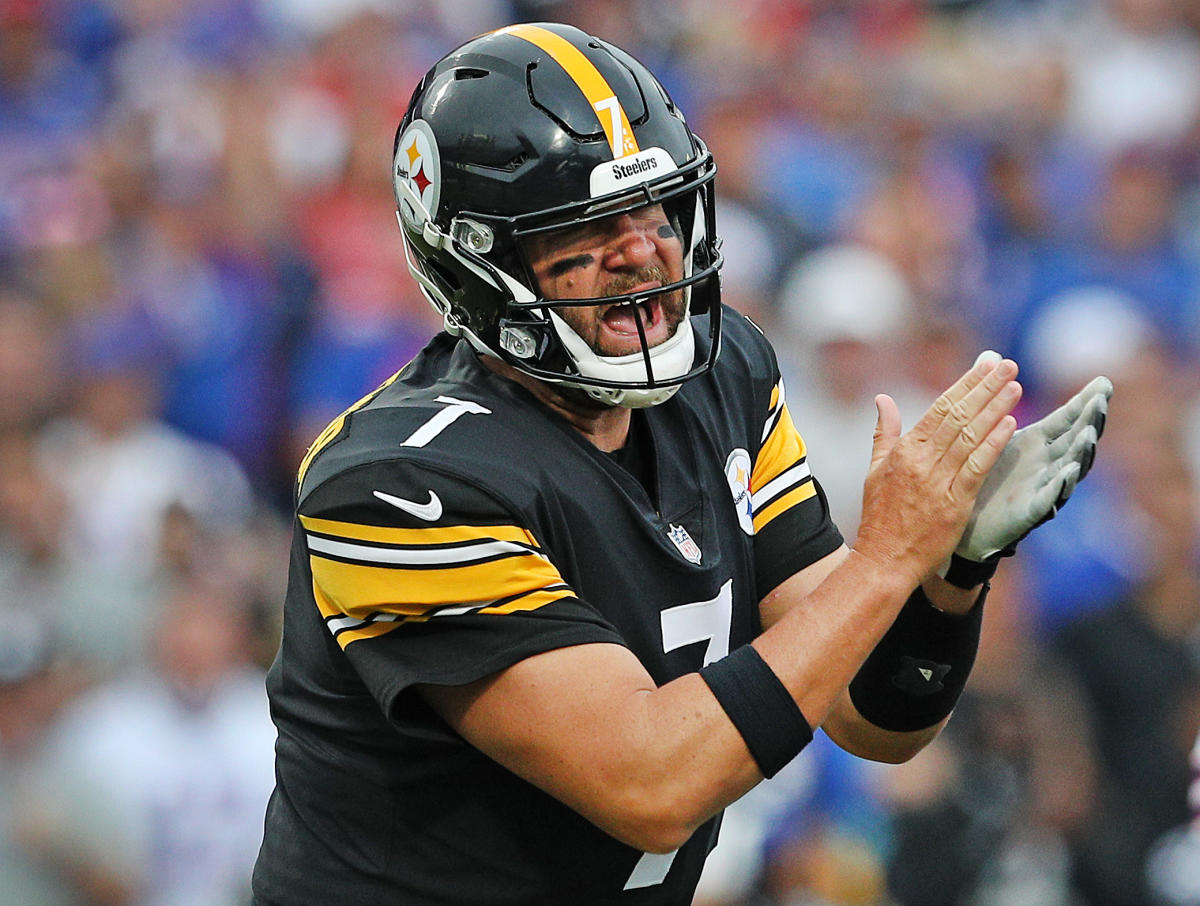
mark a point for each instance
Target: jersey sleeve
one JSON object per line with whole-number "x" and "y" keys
{"x": 422, "y": 578}
{"x": 792, "y": 524}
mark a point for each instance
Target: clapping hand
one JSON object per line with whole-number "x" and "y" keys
{"x": 1036, "y": 473}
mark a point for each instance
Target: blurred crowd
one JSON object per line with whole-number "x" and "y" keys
{"x": 200, "y": 267}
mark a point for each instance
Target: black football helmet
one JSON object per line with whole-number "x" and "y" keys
{"x": 531, "y": 129}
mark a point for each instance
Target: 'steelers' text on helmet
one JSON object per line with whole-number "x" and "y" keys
{"x": 527, "y": 130}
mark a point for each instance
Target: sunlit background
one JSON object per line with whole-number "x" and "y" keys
{"x": 200, "y": 266}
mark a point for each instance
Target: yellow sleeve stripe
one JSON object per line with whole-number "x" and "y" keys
{"x": 531, "y": 601}
{"x": 451, "y": 534}
{"x": 594, "y": 86}
{"x": 327, "y": 608}
{"x": 367, "y": 631}
{"x": 782, "y": 449}
{"x": 346, "y": 629}
{"x": 782, "y": 504}
{"x": 357, "y": 589}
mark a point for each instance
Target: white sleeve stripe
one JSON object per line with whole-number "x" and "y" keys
{"x": 338, "y": 625}
{"x": 397, "y": 556}
{"x": 341, "y": 624}
{"x": 780, "y": 484}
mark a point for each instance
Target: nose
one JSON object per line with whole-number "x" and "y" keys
{"x": 631, "y": 245}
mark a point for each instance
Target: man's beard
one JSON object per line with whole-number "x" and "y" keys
{"x": 674, "y": 308}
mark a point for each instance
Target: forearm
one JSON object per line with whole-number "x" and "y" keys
{"x": 855, "y": 734}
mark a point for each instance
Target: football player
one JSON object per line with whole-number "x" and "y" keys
{"x": 565, "y": 587}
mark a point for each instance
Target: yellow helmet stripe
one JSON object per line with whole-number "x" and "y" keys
{"x": 594, "y": 86}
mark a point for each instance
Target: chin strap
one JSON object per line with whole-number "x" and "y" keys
{"x": 669, "y": 360}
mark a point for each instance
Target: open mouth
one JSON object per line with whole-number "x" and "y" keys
{"x": 622, "y": 319}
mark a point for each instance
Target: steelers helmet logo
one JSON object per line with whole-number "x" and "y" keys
{"x": 737, "y": 473}
{"x": 418, "y": 167}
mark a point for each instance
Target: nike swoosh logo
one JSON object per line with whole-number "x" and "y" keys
{"x": 430, "y": 512}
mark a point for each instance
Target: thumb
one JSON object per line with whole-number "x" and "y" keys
{"x": 887, "y": 429}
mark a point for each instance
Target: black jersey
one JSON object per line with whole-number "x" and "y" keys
{"x": 450, "y": 525}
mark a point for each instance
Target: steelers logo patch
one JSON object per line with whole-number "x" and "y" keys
{"x": 737, "y": 473}
{"x": 418, "y": 167}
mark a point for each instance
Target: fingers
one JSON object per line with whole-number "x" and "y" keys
{"x": 1090, "y": 418}
{"x": 979, "y": 462}
{"x": 1101, "y": 386}
{"x": 1103, "y": 393}
{"x": 1078, "y": 443}
{"x": 1060, "y": 477}
{"x": 1092, "y": 399}
{"x": 956, "y": 403}
{"x": 1082, "y": 453}
{"x": 887, "y": 428}
{"x": 1045, "y": 504}
{"x": 1070, "y": 476}
{"x": 970, "y": 420}
{"x": 1083, "y": 450}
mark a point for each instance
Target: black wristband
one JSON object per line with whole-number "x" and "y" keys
{"x": 916, "y": 673}
{"x": 760, "y": 706}
{"x": 964, "y": 573}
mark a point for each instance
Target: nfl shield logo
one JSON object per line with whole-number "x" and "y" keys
{"x": 678, "y": 534}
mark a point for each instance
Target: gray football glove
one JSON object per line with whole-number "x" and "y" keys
{"x": 1036, "y": 473}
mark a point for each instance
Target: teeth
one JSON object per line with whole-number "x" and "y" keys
{"x": 643, "y": 306}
